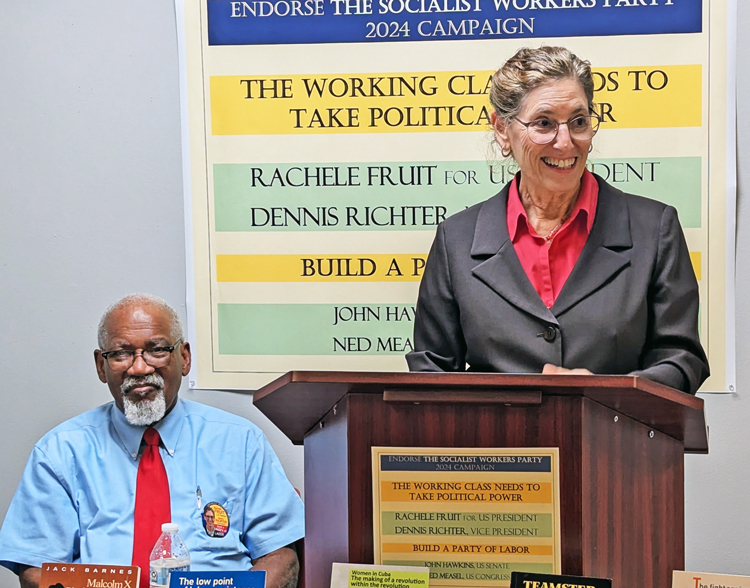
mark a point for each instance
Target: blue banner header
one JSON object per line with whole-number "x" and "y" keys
{"x": 465, "y": 463}
{"x": 268, "y": 22}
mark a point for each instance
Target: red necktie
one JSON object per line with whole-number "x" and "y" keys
{"x": 151, "y": 503}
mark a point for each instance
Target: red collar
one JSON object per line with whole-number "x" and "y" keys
{"x": 588, "y": 195}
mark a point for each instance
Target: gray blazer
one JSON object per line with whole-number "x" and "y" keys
{"x": 630, "y": 305}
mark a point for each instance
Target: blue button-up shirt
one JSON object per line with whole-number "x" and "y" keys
{"x": 76, "y": 497}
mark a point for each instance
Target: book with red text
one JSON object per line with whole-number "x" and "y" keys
{"x": 64, "y": 575}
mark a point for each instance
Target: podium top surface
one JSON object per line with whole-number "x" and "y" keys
{"x": 298, "y": 400}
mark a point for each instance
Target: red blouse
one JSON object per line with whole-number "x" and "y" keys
{"x": 549, "y": 263}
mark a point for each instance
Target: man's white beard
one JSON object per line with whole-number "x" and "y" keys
{"x": 143, "y": 412}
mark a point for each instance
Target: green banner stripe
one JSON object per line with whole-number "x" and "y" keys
{"x": 672, "y": 180}
{"x": 411, "y": 196}
{"x": 315, "y": 329}
{"x": 473, "y": 570}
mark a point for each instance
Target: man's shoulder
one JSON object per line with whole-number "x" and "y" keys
{"x": 92, "y": 423}
{"x": 91, "y": 419}
{"x": 210, "y": 414}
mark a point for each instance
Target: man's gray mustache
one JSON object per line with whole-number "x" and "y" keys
{"x": 131, "y": 382}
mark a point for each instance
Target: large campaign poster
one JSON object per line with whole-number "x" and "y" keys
{"x": 325, "y": 140}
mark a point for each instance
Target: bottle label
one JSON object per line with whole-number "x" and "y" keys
{"x": 160, "y": 574}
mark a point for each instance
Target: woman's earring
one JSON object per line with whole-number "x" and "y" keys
{"x": 506, "y": 153}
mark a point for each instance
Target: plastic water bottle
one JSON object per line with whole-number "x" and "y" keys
{"x": 169, "y": 555}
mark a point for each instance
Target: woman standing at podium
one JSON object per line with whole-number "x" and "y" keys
{"x": 559, "y": 271}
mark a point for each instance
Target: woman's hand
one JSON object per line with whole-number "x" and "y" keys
{"x": 556, "y": 369}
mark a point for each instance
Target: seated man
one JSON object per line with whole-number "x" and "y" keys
{"x": 98, "y": 487}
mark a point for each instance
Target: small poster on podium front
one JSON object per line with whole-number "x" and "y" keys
{"x": 701, "y": 580}
{"x": 527, "y": 580}
{"x": 346, "y": 575}
{"x": 472, "y": 516}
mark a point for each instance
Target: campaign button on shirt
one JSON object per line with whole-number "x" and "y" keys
{"x": 215, "y": 520}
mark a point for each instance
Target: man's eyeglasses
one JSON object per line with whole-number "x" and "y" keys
{"x": 122, "y": 359}
{"x": 543, "y": 130}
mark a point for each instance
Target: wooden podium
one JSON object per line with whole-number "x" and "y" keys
{"x": 621, "y": 441}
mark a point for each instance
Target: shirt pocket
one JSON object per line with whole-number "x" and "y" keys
{"x": 226, "y": 537}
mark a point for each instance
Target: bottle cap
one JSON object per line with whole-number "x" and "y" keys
{"x": 170, "y": 528}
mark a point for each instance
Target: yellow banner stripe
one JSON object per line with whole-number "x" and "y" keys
{"x": 462, "y": 494}
{"x": 649, "y": 97}
{"x": 696, "y": 258}
{"x": 349, "y": 103}
{"x": 456, "y": 548}
{"x": 419, "y": 102}
{"x": 403, "y": 267}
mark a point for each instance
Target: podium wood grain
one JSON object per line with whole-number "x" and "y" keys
{"x": 621, "y": 442}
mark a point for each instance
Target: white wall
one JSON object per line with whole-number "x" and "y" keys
{"x": 717, "y": 501}
{"x": 91, "y": 209}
